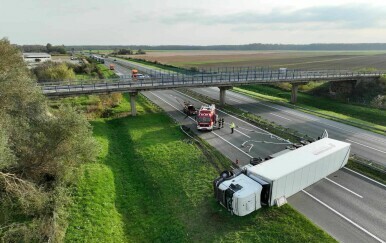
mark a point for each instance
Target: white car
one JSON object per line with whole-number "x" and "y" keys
{"x": 142, "y": 76}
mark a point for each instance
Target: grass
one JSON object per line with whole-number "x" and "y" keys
{"x": 84, "y": 76}
{"x": 151, "y": 184}
{"x": 368, "y": 171}
{"x": 106, "y": 72}
{"x": 364, "y": 117}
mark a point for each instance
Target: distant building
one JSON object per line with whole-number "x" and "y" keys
{"x": 36, "y": 58}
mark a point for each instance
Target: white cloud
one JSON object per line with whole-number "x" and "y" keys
{"x": 198, "y": 22}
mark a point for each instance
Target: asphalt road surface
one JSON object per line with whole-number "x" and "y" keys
{"x": 366, "y": 144}
{"x": 347, "y": 205}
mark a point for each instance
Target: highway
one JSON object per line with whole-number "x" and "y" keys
{"x": 348, "y": 206}
{"x": 364, "y": 143}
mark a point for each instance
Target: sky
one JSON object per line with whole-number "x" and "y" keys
{"x": 192, "y": 22}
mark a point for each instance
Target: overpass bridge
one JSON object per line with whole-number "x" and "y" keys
{"x": 223, "y": 80}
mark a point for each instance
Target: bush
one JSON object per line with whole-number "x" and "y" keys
{"x": 51, "y": 71}
{"x": 379, "y": 102}
{"x": 37, "y": 148}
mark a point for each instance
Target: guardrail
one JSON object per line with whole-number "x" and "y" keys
{"x": 162, "y": 80}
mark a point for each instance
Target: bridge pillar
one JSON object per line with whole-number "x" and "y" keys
{"x": 222, "y": 94}
{"x": 133, "y": 97}
{"x": 294, "y": 93}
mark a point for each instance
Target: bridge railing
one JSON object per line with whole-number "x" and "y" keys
{"x": 161, "y": 79}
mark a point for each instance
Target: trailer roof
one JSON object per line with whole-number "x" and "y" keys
{"x": 298, "y": 158}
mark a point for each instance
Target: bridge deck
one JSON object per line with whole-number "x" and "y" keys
{"x": 169, "y": 81}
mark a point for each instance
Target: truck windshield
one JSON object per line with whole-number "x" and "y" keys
{"x": 205, "y": 119}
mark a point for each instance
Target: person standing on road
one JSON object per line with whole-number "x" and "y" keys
{"x": 219, "y": 123}
{"x": 232, "y": 127}
{"x": 222, "y": 122}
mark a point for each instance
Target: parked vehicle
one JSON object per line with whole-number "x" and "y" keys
{"x": 189, "y": 109}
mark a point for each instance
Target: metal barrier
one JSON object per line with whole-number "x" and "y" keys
{"x": 159, "y": 80}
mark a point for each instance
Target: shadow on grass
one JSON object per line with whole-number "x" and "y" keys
{"x": 164, "y": 190}
{"x": 140, "y": 186}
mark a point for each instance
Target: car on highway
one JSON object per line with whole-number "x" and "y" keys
{"x": 142, "y": 76}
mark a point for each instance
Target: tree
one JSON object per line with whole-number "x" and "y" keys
{"x": 37, "y": 147}
{"x": 141, "y": 52}
{"x": 49, "y": 47}
{"x": 125, "y": 52}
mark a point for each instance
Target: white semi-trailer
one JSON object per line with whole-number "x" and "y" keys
{"x": 272, "y": 181}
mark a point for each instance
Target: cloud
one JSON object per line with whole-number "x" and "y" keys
{"x": 353, "y": 16}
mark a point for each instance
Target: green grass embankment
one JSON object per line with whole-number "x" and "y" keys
{"x": 151, "y": 184}
{"x": 106, "y": 72}
{"x": 366, "y": 170}
{"x": 364, "y": 117}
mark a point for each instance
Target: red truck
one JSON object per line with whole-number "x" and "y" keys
{"x": 207, "y": 118}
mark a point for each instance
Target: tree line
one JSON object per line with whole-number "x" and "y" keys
{"x": 246, "y": 47}
{"x": 49, "y": 48}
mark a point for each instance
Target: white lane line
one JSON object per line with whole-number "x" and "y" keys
{"x": 366, "y": 146}
{"x": 242, "y": 133}
{"x": 280, "y": 117}
{"x": 345, "y": 188}
{"x": 235, "y": 100}
{"x": 265, "y": 132}
{"x": 344, "y": 217}
{"x": 296, "y": 113}
{"x": 211, "y": 132}
{"x": 228, "y": 114}
{"x": 368, "y": 178}
{"x": 232, "y": 145}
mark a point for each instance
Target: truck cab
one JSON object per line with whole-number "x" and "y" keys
{"x": 134, "y": 73}
{"x": 240, "y": 195}
{"x": 206, "y": 118}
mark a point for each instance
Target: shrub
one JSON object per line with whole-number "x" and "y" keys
{"x": 37, "y": 148}
{"x": 51, "y": 71}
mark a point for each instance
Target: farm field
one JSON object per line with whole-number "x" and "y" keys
{"x": 151, "y": 184}
{"x": 351, "y": 60}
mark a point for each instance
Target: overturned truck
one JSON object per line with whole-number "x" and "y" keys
{"x": 270, "y": 182}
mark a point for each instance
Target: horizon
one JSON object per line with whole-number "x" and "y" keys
{"x": 156, "y": 45}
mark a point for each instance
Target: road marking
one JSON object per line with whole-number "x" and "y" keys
{"x": 345, "y": 188}
{"x": 344, "y": 217}
{"x": 232, "y": 145}
{"x": 307, "y": 117}
{"x": 211, "y": 131}
{"x": 280, "y": 117}
{"x": 235, "y": 100}
{"x": 366, "y": 146}
{"x": 250, "y": 148}
{"x": 228, "y": 114}
{"x": 265, "y": 132}
{"x": 368, "y": 178}
{"x": 242, "y": 133}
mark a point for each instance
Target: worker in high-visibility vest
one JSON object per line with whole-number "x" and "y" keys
{"x": 232, "y": 126}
